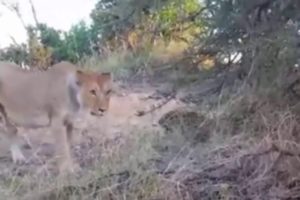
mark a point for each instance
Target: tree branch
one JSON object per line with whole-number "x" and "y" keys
{"x": 34, "y": 13}
{"x": 15, "y": 9}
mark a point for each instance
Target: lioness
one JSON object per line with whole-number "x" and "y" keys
{"x": 50, "y": 98}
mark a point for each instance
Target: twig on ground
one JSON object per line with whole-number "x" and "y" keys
{"x": 141, "y": 113}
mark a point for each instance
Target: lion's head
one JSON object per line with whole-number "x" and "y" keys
{"x": 95, "y": 92}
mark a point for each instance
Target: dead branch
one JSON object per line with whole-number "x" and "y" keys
{"x": 14, "y": 40}
{"x": 154, "y": 108}
{"x": 34, "y": 13}
{"x": 15, "y": 9}
{"x": 291, "y": 88}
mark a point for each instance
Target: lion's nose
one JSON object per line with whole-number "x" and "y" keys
{"x": 101, "y": 110}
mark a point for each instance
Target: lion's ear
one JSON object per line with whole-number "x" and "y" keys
{"x": 73, "y": 86}
{"x": 79, "y": 75}
{"x": 106, "y": 75}
{"x": 78, "y": 71}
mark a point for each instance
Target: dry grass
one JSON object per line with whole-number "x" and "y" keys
{"x": 249, "y": 150}
{"x": 111, "y": 166}
{"x": 259, "y": 160}
{"x": 122, "y": 63}
{"x": 116, "y": 155}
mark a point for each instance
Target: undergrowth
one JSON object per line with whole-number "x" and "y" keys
{"x": 244, "y": 147}
{"x": 252, "y": 153}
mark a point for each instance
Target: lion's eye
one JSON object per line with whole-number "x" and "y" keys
{"x": 93, "y": 92}
{"x": 108, "y": 92}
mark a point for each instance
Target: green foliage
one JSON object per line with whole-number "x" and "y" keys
{"x": 264, "y": 31}
{"x": 177, "y": 10}
{"x": 76, "y": 43}
{"x": 71, "y": 45}
{"x": 120, "y": 17}
{"x": 15, "y": 53}
{"x": 114, "y": 22}
{"x": 171, "y": 17}
{"x": 49, "y": 36}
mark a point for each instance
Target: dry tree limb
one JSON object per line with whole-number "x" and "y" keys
{"x": 273, "y": 148}
{"x": 291, "y": 88}
{"x": 34, "y": 13}
{"x": 141, "y": 113}
{"x": 14, "y": 7}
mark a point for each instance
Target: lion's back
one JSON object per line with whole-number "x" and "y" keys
{"x": 8, "y": 68}
{"x": 27, "y": 96}
{"x": 31, "y": 89}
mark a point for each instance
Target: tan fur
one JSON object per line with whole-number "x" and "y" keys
{"x": 50, "y": 98}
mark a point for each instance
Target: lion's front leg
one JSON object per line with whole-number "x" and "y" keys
{"x": 15, "y": 149}
{"x": 11, "y": 135}
{"x": 63, "y": 152}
